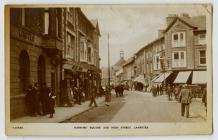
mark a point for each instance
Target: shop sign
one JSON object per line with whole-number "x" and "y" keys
{"x": 25, "y": 35}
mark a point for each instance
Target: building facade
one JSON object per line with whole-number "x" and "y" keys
{"x": 56, "y": 46}
{"x": 81, "y": 51}
{"x": 35, "y": 52}
{"x": 177, "y": 56}
{"x": 185, "y": 41}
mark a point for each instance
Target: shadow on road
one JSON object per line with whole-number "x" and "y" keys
{"x": 100, "y": 114}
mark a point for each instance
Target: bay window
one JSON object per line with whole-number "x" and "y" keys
{"x": 179, "y": 59}
{"x": 178, "y": 39}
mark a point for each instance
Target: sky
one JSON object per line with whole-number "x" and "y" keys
{"x": 131, "y": 27}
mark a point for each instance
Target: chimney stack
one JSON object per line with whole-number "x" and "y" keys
{"x": 170, "y": 18}
{"x": 185, "y": 15}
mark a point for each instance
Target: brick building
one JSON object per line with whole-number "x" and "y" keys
{"x": 35, "y": 49}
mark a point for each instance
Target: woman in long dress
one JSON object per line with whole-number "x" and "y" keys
{"x": 51, "y": 101}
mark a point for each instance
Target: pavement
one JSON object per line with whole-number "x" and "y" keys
{"x": 61, "y": 113}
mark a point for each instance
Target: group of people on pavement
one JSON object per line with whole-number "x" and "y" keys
{"x": 40, "y": 100}
{"x": 157, "y": 90}
{"x": 78, "y": 94}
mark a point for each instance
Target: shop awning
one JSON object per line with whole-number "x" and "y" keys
{"x": 182, "y": 77}
{"x": 84, "y": 70}
{"x": 162, "y": 77}
{"x": 67, "y": 66}
{"x": 119, "y": 72}
{"x": 156, "y": 77}
{"x": 199, "y": 77}
{"x": 140, "y": 79}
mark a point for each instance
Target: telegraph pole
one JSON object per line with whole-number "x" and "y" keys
{"x": 108, "y": 62}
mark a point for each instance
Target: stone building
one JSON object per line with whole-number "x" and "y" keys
{"x": 35, "y": 51}
{"x": 56, "y": 46}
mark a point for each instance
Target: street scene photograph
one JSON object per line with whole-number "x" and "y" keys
{"x": 109, "y": 64}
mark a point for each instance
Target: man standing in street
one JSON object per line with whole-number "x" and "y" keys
{"x": 93, "y": 95}
{"x": 158, "y": 90}
{"x": 169, "y": 92}
{"x": 185, "y": 96}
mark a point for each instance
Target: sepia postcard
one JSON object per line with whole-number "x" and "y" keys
{"x": 108, "y": 70}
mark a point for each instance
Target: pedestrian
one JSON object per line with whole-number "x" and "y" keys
{"x": 30, "y": 103}
{"x": 161, "y": 90}
{"x": 117, "y": 90}
{"x": 36, "y": 98}
{"x": 177, "y": 92}
{"x": 185, "y": 96}
{"x": 51, "y": 103}
{"x": 92, "y": 96}
{"x": 121, "y": 90}
{"x": 169, "y": 92}
{"x": 158, "y": 90}
{"x": 107, "y": 96}
{"x": 77, "y": 95}
{"x": 44, "y": 97}
{"x": 154, "y": 90}
{"x": 204, "y": 97}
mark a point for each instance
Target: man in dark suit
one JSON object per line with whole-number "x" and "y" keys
{"x": 92, "y": 96}
{"x": 185, "y": 98}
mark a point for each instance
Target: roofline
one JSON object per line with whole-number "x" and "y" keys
{"x": 174, "y": 21}
{"x": 155, "y": 40}
{"x": 128, "y": 62}
{"x": 86, "y": 17}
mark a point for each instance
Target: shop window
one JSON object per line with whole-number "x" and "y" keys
{"x": 24, "y": 72}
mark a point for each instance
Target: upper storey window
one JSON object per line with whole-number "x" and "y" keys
{"x": 178, "y": 39}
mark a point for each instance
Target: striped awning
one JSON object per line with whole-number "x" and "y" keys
{"x": 162, "y": 77}
{"x": 140, "y": 79}
{"x": 182, "y": 77}
{"x": 199, "y": 77}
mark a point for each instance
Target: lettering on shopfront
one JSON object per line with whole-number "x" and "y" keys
{"x": 26, "y": 35}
